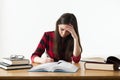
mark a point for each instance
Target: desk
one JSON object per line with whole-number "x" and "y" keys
{"x": 23, "y": 74}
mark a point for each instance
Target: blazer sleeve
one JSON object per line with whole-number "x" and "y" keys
{"x": 40, "y": 48}
{"x": 76, "y": 59}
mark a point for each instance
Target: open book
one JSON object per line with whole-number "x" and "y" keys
{"x": 60, "y": 66}
{"x": 109, "y": 59}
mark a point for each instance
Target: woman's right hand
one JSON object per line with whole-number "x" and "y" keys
{"x": 47, "y": 60}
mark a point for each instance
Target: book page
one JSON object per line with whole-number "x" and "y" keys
{"x": 101, "y": 59}
{"x": 46, "y": 67}
{"x": 94, "y": 59}
{"x": 64, "y": 66}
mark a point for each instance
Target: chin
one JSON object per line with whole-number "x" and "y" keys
{"x": 64, "y": 36}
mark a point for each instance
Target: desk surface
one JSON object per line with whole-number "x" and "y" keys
{"x": 80, "y": 74}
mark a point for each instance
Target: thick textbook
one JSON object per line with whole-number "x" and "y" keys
{"x": 15, "y": 61}
{"x": 11, "y": 67}
{"x": 98, "y": 63}
{"x": 100, "y": 66}
{"x": 60, "y": 66}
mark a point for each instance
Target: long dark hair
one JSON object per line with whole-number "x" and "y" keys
{"x": 63, "y": 47}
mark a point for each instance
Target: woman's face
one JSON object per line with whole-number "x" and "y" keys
{"x": 62, "y": 30}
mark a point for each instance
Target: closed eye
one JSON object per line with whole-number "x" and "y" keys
{"x": 62, "y": 29}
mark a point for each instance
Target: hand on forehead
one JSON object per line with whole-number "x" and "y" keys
{"x": 64, "y": 26}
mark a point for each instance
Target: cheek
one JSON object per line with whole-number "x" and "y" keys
{"x": 60, "y": 32}
{"x": 64, "y": 34}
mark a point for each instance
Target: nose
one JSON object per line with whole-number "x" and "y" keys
{"x": 64, "y": 32}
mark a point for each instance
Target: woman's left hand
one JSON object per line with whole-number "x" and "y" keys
{"x": 72, "y": 31}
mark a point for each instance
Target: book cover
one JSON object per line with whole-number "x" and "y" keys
{"x": 60, "y": 66}
{"x": 12, "y": 67}
{"x": 15, "y": 61}
{"x": 100, "y": 66}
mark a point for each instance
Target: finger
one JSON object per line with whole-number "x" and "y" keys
{"x": 69, "y": 28}
{"x": 50, "y": 60}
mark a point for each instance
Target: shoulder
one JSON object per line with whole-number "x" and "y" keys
{"x": 49, "y": 33}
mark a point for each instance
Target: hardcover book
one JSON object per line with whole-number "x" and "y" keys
{"x": 11, "y": 67}
{"x": 15, "y": 61}
{"x": 100, "y": 66}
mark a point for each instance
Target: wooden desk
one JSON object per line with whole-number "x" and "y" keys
{"x": 81, "y": 74}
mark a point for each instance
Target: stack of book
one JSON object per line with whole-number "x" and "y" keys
{"x": 99, "y": 63}
{"x": 10, "y": 64}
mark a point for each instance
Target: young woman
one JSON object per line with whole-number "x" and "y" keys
{"x": 61, "y": 44}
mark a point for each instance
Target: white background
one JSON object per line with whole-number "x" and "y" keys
{"x": 23, "y": 22}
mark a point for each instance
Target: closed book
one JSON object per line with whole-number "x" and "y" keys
{"x": 100, "y": 66}
{"x": 12, "y": 67}
{"x": 15, "y": 61}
